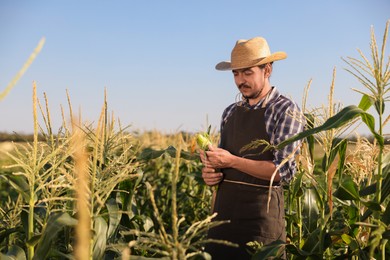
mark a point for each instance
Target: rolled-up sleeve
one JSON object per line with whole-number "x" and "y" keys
{"x": 286, "y": 121}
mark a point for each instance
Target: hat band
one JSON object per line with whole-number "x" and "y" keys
{"x": 246, "y": 63}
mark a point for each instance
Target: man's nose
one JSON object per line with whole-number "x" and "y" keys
{"x": 240, "y": 79}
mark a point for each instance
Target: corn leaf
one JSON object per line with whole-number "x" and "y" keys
{"x": 342, "y": 149}
{"x": 149, "y": 154}
{"x": 386, "y": 215}
{"x": 350, "y": 241}
{"x": 114, "y": 216}
{"x": 20, "y": 184}
{"x": 296, "y": 191}
{"x": 372, "y": 205}
{"x": 100, "y": 238}
{"x": 312, "y": 242}
{"x": 296, "y": 251}
{"x": 273, "y": 250}
{"x": 55, "y": 223}
{"x": 340, "y": 119}
{"x": 347, "y": 190}
{"x": 14, "y": 253}
{"x": 310, "y": 209}
{"x": 310, "y": 139}
{"x": 366, "y": 102}
{"x": 380, "y": 106}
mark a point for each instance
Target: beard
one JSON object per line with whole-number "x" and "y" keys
{"x": 252, "y": 95}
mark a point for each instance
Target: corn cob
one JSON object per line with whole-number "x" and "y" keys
{"x": 203, "y": 141}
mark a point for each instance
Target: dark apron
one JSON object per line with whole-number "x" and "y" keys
{"x": 242, "y": 198}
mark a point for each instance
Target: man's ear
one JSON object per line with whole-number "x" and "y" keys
{"x": 268, "y": 70}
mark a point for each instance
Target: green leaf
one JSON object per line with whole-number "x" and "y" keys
{"x": 380, "y": 109}
{"x": 310, "y": 139}
{"x": 369, "y": 190}
{"x": 336, "y": 144}
{"x": 14, "y": 253}
{"x": 371, "y": 205}
{"x": 19, "y": 183}
{"x": 366, "y": 102}
{"x": 274, "y": 249}
{"x": 386, "y": 215}
{"x": 183, "y": 154}
{"x": 55, "y": 223}
{"x": 312, "y": 242}
{"x": 347, "y": 190}
{"x": 385, "y": 183}
{"x": 342, "y": 150}
{"x": 294, "y": 250}
{"x": 100, "y": 238}
{"x": 324, "y": 163}
{"x": 34, "y": 240}
{"x": 6, "y": 232}
{"x": 310, "y": 209}
{"x": 149, "y": 154}
{"x": 114, "y": 216}
{"x": 339, "y": 146}
{"x": 297, "y": 187}
{"x": 350, "y": 241}
{"x": 340, "y": 119}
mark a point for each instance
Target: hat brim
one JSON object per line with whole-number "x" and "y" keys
{"x": 227, "y": 65}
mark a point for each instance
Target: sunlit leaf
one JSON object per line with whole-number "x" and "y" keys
{"x": 366, "y": 102}
{"x": 310, "y": 209}
{"x": 350, "y": 241}
{"x": 340, "y": 119}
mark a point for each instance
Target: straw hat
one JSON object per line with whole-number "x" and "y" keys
{"x": 250, "y": 53}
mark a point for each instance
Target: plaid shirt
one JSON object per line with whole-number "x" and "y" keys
{"x": 283, "y": 119}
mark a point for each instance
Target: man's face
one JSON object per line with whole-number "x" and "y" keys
{"x": 250, "y": 81}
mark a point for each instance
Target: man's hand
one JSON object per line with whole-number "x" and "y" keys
{"x": 211, "y": 177}
{"x": 218, "y": 158}
{"x": 209, "y": 174}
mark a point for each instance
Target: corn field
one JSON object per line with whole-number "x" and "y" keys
{"x": 103, "y": 191}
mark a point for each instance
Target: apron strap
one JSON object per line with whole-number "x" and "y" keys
{"x": 251, "y": 184}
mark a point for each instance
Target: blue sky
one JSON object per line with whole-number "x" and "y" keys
{"x": 156, "y": 58}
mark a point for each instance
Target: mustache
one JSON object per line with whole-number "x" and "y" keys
{"x": 243, "y": 85}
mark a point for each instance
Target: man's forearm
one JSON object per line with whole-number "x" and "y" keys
{"x": 259, "y": 169}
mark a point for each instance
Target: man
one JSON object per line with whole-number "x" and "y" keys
{"x": 243, "y": 176}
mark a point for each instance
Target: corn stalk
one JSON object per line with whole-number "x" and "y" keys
{"x": 378, "y": 89}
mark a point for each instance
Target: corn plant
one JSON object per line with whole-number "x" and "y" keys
{"x": 48, "y": 177}
{"x": 182, "y": 236}
{"x": 343, "y": 218}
